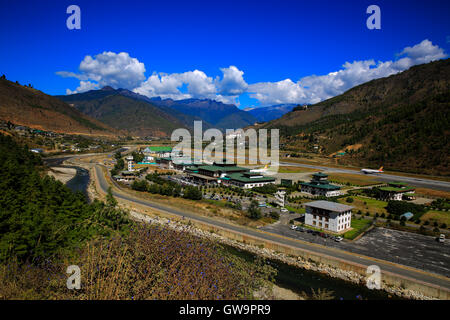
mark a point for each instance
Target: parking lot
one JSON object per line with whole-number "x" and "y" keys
{"x": 410, "y": 249}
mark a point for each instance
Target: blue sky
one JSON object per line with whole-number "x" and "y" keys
{"x": 269, "y": 50}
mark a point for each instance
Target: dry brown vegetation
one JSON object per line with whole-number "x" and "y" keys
{"x": 153, "y": 262}
{"x": 29, "y": 107}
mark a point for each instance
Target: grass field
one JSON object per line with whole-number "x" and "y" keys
{"x": 432, "y": 193}
{"x": 287, "y": 169}
{"x": 438, "y": 216}
{"x": 354, "y": 179}
{"x": 366, "y": 204}
{"x": 296, "y": 210}
{"x": 358, "y": 227}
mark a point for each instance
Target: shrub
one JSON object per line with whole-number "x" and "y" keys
{"x": 274, "y": 215}
{"x": 253, "y": 211}
{"x": 192, "y": 193}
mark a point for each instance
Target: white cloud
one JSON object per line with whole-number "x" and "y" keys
{"x": 121, "y": 70}
{"x": 232, "y": 83}
{"x": 424, "y": 52}
{"x": 197, "y": 85}
{"x": 84, "y": 86}
{"x": 117, "y": 70}
{"x": 313, "y": 89}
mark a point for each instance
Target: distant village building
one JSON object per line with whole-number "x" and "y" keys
{"x": 327, "y": 215}
{"x": 320, "y": 186}
{"x": 397, "y": 191}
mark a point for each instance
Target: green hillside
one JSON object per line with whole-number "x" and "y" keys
{"x": 401, "y": 122}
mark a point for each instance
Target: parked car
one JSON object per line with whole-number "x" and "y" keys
{"x": 442, "y": 237}
{"x": 338, "y": 239}
{"x": 301, "y": 229}
{"x": 284, "y": 210}
{"x": 293, "y": 227}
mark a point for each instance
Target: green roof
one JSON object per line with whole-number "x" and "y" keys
{"x": 320, "y": 174}
{"x": 393, "y": 189}
{"x": 396, "y": 183}
{"x": 159, "y": 149}
{"x": 241, "y": 178}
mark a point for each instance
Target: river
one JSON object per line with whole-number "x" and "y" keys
{"x": 78, "y": 183}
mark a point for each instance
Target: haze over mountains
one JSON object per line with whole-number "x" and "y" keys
{"x": 401, "y": 122}
{"x": 263, "y": 114}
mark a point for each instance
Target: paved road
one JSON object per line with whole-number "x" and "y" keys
{"x": 418, "y": 182}
{"x": 355, "y": 258}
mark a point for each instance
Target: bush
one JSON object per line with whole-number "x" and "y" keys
{"x": 192, "y": 193}
{"x": 253, "y": 211}
{"x": 349, "y": 200}
{"x": 139, "y": 185}
{"x": 267, "y": 189}
{"x": 275, "y": 215}
{"x": 398, "y": 208}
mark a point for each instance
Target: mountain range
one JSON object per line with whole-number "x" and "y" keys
{"x": 142, "y": 116}
{"x": 24, "y": 105}
{"x": 264, "y": 114}
{"x": 401, "y": 122}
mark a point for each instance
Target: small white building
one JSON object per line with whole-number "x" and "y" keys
{"x": 280, "y": 197}
{"x": 131, "y": 165}
{"x": 246, "y": 180}
{"x": 327, "y": 215}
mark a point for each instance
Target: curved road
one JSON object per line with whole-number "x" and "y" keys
{"x": 402, "y": 271}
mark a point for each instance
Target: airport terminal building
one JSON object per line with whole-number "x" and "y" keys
{"x": 320, "y": 186}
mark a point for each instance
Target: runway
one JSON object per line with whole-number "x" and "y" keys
{"x": 383, "y": 177}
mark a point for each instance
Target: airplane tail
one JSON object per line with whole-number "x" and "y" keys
{"x": 381, "y": 169}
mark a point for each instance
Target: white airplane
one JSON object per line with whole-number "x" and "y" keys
{"x": 370, "y": 171}
{"x": 263, "y": 169}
